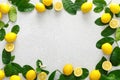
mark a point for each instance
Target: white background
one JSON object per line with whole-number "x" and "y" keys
{"x": 57, "y": 38}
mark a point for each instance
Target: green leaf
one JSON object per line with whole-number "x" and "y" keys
{"x": 115, "y": 56}
{"x": 99, "y": 66}
{"x": 104, "y": 77}
{"x": 104, "y": 40}
{"x": 99, "y": 2}
{"x": 12, "y": 14}
{"x": 78, "y": 3}
{"x": 98, "y": 9}
{"x": 12, "y": 58}
{"x": 115, "y": 74}
{"x": 15, "y": 29}
{"x": 117, "y": 35}
{"x": 108, "y": 31}
{"x": 38, "y": 70}
{"x": 70, "y": 77}
{"x": 117, "y": 15}
{"x": 61, "y": 77}
{"x": 85, "y": 74}
{"x": 69, "y": 6}
{"x": 2, "y": 34}
{"x": 47, "y": 72}
{"x": 38, "y": 62}
{"x": 52, "y": 75}
{"x": 99, "y": 22}
{"x": 49, "y": 7}
{"x": 107, "y": 10}
{"x": 6, "y": 57}
{"x": 17, "y": 67}
{"x": 2, "y": 24}
{"x": 6, "y": 25}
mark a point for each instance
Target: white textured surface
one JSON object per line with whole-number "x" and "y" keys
{"x": 57, "y": 38}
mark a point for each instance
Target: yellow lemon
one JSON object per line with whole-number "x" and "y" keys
{"x": 15, "y": 77}
{"x": 78, "y": 71}
{"x": 58, "y": 6}
{"x": 9, "y": 47}
{"x": 115, "y": 8}
{"x": 95, "y": 75}
{"x": 31, "y": 75}
{"x": 106, "y": 65}
{"x": 47, "y": 2}
{"x": 4, "y": 8}
{"x": 106, "y": 17}
{"x": 42, "y": 76}
{"x": 107, "y": 48}
{"x": 10, "y": 37}
{"x": 86, "y": 7}
{"x": 68, "y": 69}
{"x": 114, "y": 23}
{"x": 0, "y": 15}
{"x": 2, "y": 74}
{"x": 40, "y": 7}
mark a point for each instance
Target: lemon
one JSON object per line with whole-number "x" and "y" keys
{"x": 95, "y": 75}
{"x": 68, "y": 69}
{"x": 106, "y": 65}
{"x": 4, "y": 8}
{"x": 78, "y": 71}
{"x": 40, "y": 7}
{"x": 114, "y": 23}
{"x": 107, "y": 48}
{"x": 86, "y": 7}
{"x": 47, "y": 2}
{"x": 115, "y": 8}
{"x": 58, "y": 6}
{"x": 106, "y": 17}
{"x": 10, "y": 37}
{"x": 2, "y": 74}
{"x": 42, "y": 76}
{"x": 15, "y": 77}
{"x": 31, "y": 75}
{"x": 9, "y": 47}
{"x": 0, "y": 15}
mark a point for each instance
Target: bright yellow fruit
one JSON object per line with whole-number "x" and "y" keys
{"x": 86, "y": 7}
{"x": 107, "y": 48}
{"x": 114, "y": 23}
{"x": 10, "y": 37}
{"x": 40, "y": 7}
{"x": 115, "y": 8}
{"x": 4, "y": 8}
{"x": 0, "y": 15}
{"x": 107, "y": 65}
{"x": 95, "y": 75}
{"x": 58, "y": 6}
{"x": 78, "y": 71}
{"x": 31, "y": 75}
{"x": 106, "y": 17}
{"x": 15, "y": 77}
{"x": 2, "y": 74}
{"x": 42, "y": 76}
{"x": 68, "y": 69}
{"x": 47, "y": 2}
{"x": 9, "y": 47}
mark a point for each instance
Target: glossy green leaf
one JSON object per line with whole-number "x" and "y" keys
{"x": 99, "y": 66}
{"x": 15, "y": 29}
{"x": 114, "y": 75}
{"x": 12, "y": 58}
{"x": 38, "y": 62}
{"x": 117, "y": 15}
{"x": 2, "y": 34}
{"x": 78, "y": 3}
{"x": 108, "y": 31}
{"x": 70, "y": 77}
{"x": 15, "y": 2}
{"x": 61, "y": 77}
{"x": 2, "y": 24}
{"x": 6, "y": 57}
{"x": 99, "y": 22}
{"x": 104, "y": 40}
{"x": 38, "y": 70}
{"x": 84, "y": 75}
{"x": 98, "y": 9}
{"x": 117, "y": 35}
{"x": 103, "y": 77}
{"x": 49, "y": 7}
{"x": 99, "y": 2}
{"x": 115, "y": 56}
{"x": 52, "y": 75}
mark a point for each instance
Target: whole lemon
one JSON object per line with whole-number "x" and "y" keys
{"x": 31, "y": 75}
{"x": 15, "y": 77}
{"x": 107, "y": 48}
{"x": 40, "y": 7}
{"x": 115, "y": 8}
{"x": 68, "y": 69}
{"x": 106, "y": 17}
{"x": 47, "y": 2}
{"x": 4, "y": 8}
{"x": 86, "y": 7}
{"x": 2, "y": 74}
{"x": 10, "y": 37}
{"x": 0, "y": 15}
{"x": 95, "y": 75}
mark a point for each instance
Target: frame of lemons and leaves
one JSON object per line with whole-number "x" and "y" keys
{"x": 13, "y": 68}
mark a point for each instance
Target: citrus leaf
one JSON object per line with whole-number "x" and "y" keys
{"x": 117, "y": 15}
{"x": 78, "y": 3}
{"x": 6, "y": 57}
{"x": 115, "y": 56}
{"x": 114, "y": 75}
{"x": 99, "y": 22}
{"x": 98, "y": 9}
{"x": 104, "y": 40}
{"x": 2, "y": 24}
{"x": 38, "y": 62}
{"x": 15, "y": 29}
{"x": 14, "y": 2}
{"x": 61, "y": 77}
{"x": 117, "y": 35}
{"x": 99, "y": 66}
{"x": 12, "y": 14}
{"x": 17, "y": 67}
{"x": 99, "y": 2}
{"x": 85, "y": 74}
{"x": 2, "y": 34}
{"x": 46, "y": 71}
{"x": 49, "y": 7}
{"x": 52, "y": 75}
{"x": 12, "y": 58}
{"x": 108, "y": 31}
{"x": 107, "y": 10}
